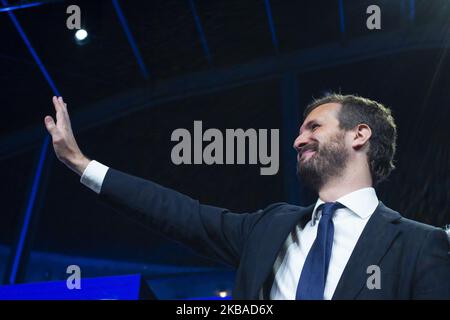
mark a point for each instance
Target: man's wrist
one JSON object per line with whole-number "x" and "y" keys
{"x": 94, "y": 175}
{"x": 79, "y": 164}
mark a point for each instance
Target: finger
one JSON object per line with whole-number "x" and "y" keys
{"x": 63, "y": 105}
{"x": 58, "y": 109}
{"x": 60, "y": 120}
{"x": 56, "y": 103}
{"x": 50, "y": 124}
{"x": 65, "y": 112}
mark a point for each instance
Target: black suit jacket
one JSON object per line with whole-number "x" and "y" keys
{"x": 413, "y": 257}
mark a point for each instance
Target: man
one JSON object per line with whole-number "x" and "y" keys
{"x": 348, "y": 245}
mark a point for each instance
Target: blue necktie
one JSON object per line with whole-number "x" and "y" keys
{"x": 311, "y": 285}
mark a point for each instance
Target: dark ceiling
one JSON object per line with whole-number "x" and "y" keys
{"x": 415, "y": 83}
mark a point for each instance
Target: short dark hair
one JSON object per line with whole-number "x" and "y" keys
{"x": 357, "y": 110}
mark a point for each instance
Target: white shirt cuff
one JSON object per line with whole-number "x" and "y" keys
{"x": 93, "y": 175}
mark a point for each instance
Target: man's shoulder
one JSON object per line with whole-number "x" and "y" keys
{"x": 281, "y": 212}
{"x": 406, "y": 224}
{"x": 285, "y": 208}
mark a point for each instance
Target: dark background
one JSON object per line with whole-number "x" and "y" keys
{"x": 251, "y": 76}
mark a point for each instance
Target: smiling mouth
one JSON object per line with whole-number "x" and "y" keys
{"x": 306, "y": 154}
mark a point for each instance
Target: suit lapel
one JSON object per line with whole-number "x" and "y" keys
{"x": 276, "y": 234}
{"x": 375, "y": 240}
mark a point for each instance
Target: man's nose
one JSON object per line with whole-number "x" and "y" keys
{"x": 300, "y": 141}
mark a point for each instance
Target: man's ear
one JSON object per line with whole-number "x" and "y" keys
{"x": 361, "y": 136}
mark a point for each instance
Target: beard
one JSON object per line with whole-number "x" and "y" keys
{"x": 328, "y": 161}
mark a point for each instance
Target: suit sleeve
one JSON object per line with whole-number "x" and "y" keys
{"x": 432, "y": 275}
{"x": 211, "y": 231}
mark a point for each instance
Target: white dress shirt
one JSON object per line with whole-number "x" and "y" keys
{"x": 93, "y": 175}
{"x": 349, "y": 223}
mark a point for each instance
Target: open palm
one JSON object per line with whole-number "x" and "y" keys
{"x": 64, "y": 143}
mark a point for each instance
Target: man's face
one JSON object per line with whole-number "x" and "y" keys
{"x": 321, "y": 147}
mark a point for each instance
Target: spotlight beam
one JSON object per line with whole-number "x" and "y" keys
{"x": 341, "y": 18}
{"x": 18, "y": 254}
{"x": 25, "y": 5}
{"x": 131, "y": 41}
{"x": 200, "y": 31}
{"x": 271, "y": 25}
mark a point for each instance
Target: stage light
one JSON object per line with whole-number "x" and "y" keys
{"x": 81, "y": 34}
{"x": 223, "y": 294}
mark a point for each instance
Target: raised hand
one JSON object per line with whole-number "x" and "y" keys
{"x": 64, "y": 143}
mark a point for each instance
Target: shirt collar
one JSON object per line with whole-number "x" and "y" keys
{"x": 362, "y": 202}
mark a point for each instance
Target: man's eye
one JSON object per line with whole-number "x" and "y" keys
{"x": 314, "y": 126}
